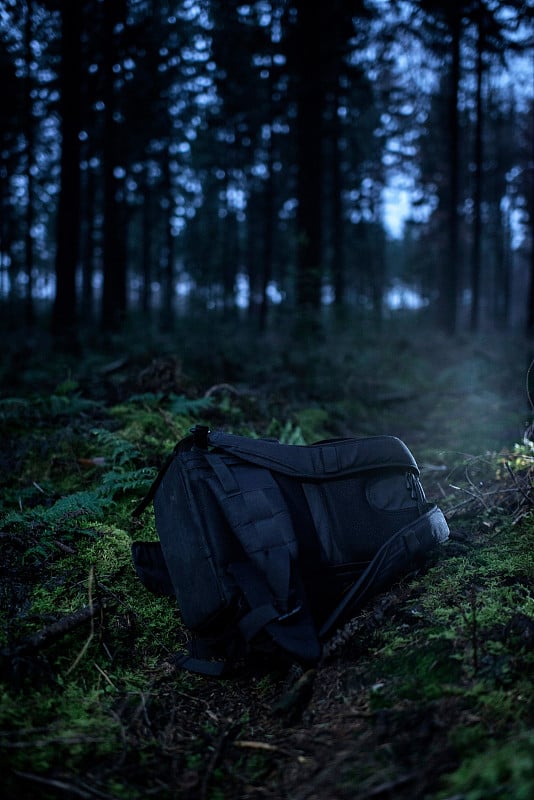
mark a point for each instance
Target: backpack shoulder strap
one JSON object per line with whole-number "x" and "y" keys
{"x": 404, "y": 551}
{"x": 268, "y": 574}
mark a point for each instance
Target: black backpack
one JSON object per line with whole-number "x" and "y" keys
{"x": 272, "y": 547}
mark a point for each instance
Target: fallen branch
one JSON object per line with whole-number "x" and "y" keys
{"x": 267, "y": 747}
{"x": 388, "y": 787}
{"x": 70, "y": 789}
{"x": 520, "y": 489}
{"x": 222, "y": 387}
{"x": 52, "y": 633}
{"x": 216, "y": 756}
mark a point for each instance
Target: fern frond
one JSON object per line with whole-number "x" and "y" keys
{"x": 151, "y": 399}
{"x": 68, "y": 404}
{"x": 56, "y": 405}
{"x": 179, "y": 404}
{"x": 86, "y": 503}
{"x": 120, "y": 451}
{"x": 138, "y": 480}
{"x": 286, "y": 433}
{"x": 14, "y": 407}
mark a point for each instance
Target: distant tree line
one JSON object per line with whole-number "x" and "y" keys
{"x": 225, "y": 154}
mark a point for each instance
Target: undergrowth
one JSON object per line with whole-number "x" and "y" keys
{"x": 98, "y": 712}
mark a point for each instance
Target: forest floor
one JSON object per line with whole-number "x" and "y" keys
{"x": 428, "y": 693}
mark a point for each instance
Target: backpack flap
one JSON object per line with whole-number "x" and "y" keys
{"x": 335, "y": 457}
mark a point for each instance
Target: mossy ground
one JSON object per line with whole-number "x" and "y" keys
{"x": 429, "y": 695}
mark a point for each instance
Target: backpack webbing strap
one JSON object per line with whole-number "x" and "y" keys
{"x": 202, "y": 666}
{"x": 256, "y": 512}
{"x": 253, "y": 505}
{"x": 396, "y": 556}
{"x": 211, "y": 655}
{"x": 293, "y": 630}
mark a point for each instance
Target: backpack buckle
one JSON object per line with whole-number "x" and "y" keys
{"x": 200, "y": 436}
{"x": 288, "y": 614}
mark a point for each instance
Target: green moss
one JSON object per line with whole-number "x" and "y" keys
{"x": 500, "y": 770}
{"x": 66, "y": 730}
{"x": 422, "y": 673}
{"x": 156, "y": 421}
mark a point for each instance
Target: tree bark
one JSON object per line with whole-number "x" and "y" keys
{"x": 68, "y": 220}
{"x": 88, "y": 244}
{"x": 29, "y": 134}
{"x": 530, "y": 189}
{"x": 167, "y": 250}
{"x": 268, "y": 234}
{"x": 337, "y": 249}
{"x": 114, "y": 230}
{"x": 450, "y": 270}
{"x": 309, "y": 156}
{"x": 147, "y": 223}
{"x": 477, "y": 193}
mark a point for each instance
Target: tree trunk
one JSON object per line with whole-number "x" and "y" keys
{"x": 309, "y": 166}
{"x": 114, "y": 232}
{"x": 5, "y": 244}
{"x": 449, "y": 277}
{"x": 500, "y": 228}
{"x": 530, "y": 201}
{"x": 68, "y": 219}
{"x": 268, "y": 235}
{"x": 477, "y": 193}
{"x": 29, "y": 134}
{"x": 146, "y": 247}
{"x": 88, "y": 248}
{"x": 337, "y": 249}
{"x": 167, "y": 250}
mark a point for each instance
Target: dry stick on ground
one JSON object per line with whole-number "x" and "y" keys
{"x": 89, "y": 639}
{"x": 222, "y": 387}
{"x": 477, "y": 498}
{"x": 52, "y": 633}
{"x": 520, "y": 489}
{"x": 217, "y": 754}
{"x": 71, "y": 789}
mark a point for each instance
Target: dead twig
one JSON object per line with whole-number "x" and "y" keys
{"x": 516, "y": 483}
{"x": 222, "y": 387}
{"x": 267, "y": 747}
{"x": 89, "y": 639}
{"x": 474, "y": 495}
{"x": 70, "y": 789}
{"x": 52, "y": 633}
{"x": 6, "y": 740}
{"x": 251, "y": 745}
{"x": 388, "y": 787}
{"x": 114, "y": 366}
{"x": 101, "y": 672}
{"x": 216, "y": 756}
